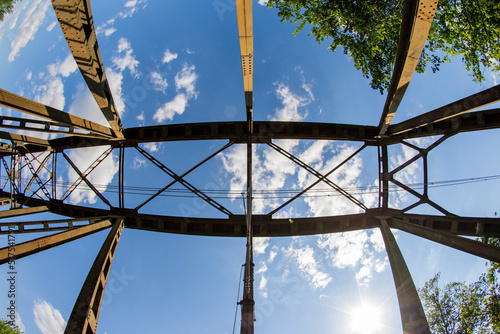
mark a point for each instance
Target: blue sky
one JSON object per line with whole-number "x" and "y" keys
{"x": 178, "y": 62}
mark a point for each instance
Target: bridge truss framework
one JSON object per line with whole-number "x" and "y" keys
{"x": 28, "y": 157}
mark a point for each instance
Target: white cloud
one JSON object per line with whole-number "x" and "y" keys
{"x": 19, "y": 323}
{"x": 185, "y": 83}
{"x": 140, "y": 119}
{"x": 129, "y": 9}
{"x": 100, "y": 177}
{"x": 29, "y": 75}
{"x": 494, "y": 76}
{"x": 263, "y": 2}
{"x": 170, "y": 109}
{"x": 115, "y": 80}
{"x": 51, "y": 26}
{"x": 152, "y": 147}
{"x": 357, "y": 249}
{"x": 186, "y": 79}
{"x": 65, "y": 68}
{"x": 138, "y": 163}
{"x": 304, "y": 258}
{"x": 29, "y": 27}
{"x": 48, "y": 319}
{"x": 126, "y": 58}
{"x": 272, "y": 256}
{"x": 292, "y": 104}
{"x": 109, "y": 31}
{"x": 169, "y": 56}
{"x": 52, "y": 93}
{"x": 260, "y": 245}
{"x": 159, "y": 83}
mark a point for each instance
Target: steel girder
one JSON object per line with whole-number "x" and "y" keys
{"x": 265, "y": 132}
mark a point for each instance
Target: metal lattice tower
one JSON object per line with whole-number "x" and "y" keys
{"x": 29, "y": 156}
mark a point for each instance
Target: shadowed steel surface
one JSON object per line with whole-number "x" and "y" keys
{"x": 459, "y": 107}
{"x": 85, "y": 314}
{"x": 44, "y": 243}
{"x": 473, "y": 247}
{"x": 77, "y": 24}
{"x": 45, "y": 225}
{"x": 28, "y": 106}
{"x": 24, "y": 211}
{"x": 412, "y": 313}
{"x": 417, "y": 19}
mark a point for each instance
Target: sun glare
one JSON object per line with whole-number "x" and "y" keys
{"x": 366, "y": 319}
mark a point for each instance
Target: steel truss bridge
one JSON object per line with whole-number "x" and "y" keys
{"x": 29, "y": 156}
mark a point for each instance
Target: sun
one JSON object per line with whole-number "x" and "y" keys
{"x": 366, "y": 319}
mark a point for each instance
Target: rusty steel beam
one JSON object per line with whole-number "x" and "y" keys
{"x": 417, "y": 19}
{"x": 412, "y": 313}
{"x": 41, "y": 126}
{"x": 23, "y": 211}
{"x": 481, "y": 99}
{"x": 266, "y": 226}
{"x": 245, "y": 30}
{"x": 23, "y": 139}
{"x": 45, "y": 225}
{"x": 41, "y": 244}
{"x": 473, "y": 247}
{"x": 28, "y": 106}
{"x": 265, "y": 132}
{"x": 77, "y": 24}
{"x": 85, "y": 313}
{"x": 467, "y": 122}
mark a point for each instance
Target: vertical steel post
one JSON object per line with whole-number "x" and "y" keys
{"x": 121, "y": 193}
{"x": 85, "y": 314}
{"x": 412, "y": 314}
{"x": 53, "y": 175}
{"x": 383, "y": 164}
{"x": 248, "y": 303}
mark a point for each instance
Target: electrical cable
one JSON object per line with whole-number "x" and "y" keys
{"x": 264, "y": 194}
{"x": 237, "y": 299}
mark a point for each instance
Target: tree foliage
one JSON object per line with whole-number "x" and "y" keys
{"x": 368, "y": 31}
{"x": 5, "y": 328}
{"x": 6, "y": 7}
{"x": 464, "y": 308}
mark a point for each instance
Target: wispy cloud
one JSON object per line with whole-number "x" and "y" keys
{"x": 307, "y": 264}
{"x": 29, "y": 27}
{"x": 138, "y": 163}
{"x": 159, "y": 83}
{"x": 358, "y": 249}
{"x": 186, "y": 80}
{"x": 185, "y": 84}
{"x": 125, "y": 57}
{"x": 48, "y": 319}
{"x": 152, "y": 147}
{"x": 129, "y": 9}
